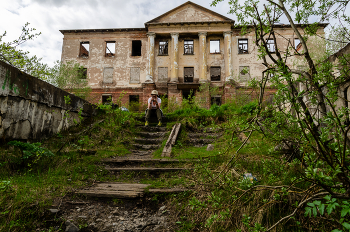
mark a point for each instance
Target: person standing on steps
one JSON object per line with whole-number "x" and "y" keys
{"x": 153, "y": 108}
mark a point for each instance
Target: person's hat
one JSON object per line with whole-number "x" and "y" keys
{"x": 154, "y": 92}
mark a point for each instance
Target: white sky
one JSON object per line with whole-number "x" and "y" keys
{"x": 50, "y": 16}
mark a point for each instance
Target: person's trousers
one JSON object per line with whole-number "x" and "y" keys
{"x": 152, "y": 112}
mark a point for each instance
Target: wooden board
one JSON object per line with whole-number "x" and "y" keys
{"x": 115, "y": 190}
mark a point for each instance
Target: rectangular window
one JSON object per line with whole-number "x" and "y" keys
{"x": 84, "y": 49}
{"x": 244, "y": 73}
{"x": 162, "y": 74}
{"x": 271, "y": 45}
{"x": 188, "y": 47}
{"x": 134, "y": 98}
{"x": 107, "y": 75}
{"x": 106, "y": 99}
{"x": 297, "y": 44}
{"x": 134, "y": 75}
{"x": 82, "y": 73}
{"x": 215, "y": 73}
{"x": 215, "y": 100}
{"x": 242, "y": 46}
{"x": 136, "y": 48}
{"x": 214, "y": 46}
{"x": 163, "y": 47}
{"x": 188, "y": 74}
{"x": 110, "y": 49}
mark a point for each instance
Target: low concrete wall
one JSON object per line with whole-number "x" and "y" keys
{"x": 31, "y": 109}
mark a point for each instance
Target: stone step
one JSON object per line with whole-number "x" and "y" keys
{"x": 141, "y": 152}
{"x": 204, "y": 135}
{"x": 200, "y": 141}
{"x": 145, "y": 147}
{"x": 119, "y": 161}
{"x": 152, "y": 128}
{"x": 123, "y": 190}
{"x": 146, "y": 169}
{"x": 152, "y": 134}
{"x": 149, "y": 140}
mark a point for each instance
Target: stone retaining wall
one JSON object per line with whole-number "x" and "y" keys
{"x": 31, "y": 109}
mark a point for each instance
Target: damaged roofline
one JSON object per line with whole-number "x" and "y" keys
{"x": 102, "y": 30}
{"x": 182, "y": 23}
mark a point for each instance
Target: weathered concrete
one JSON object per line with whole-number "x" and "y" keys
{"x": 31, "y": 109}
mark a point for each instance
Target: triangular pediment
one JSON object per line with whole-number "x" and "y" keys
{"x": 189, "y": 12}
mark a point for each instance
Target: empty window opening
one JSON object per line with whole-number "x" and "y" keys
{"x": 106, "y": 99}
{"x": 215, "y": 73}
{"x": 297, "y": 44}
{"x": 346, "y": 103}
{"x": 188, "y": 94}
{"x": 84, "y": 49}
{"x": 243, "y": 46}
{"x": 244, "y": 73}
{"x": 163, "y": 47}
{"x": 134, "y": 98}
{"x": 271, "y": 45}
{"x": 136, "y": 48}
{"x": 188, "y": 74}
{"x": 110, "y": 49}
{"x": 214, "y": 46}
{"x": 82, "y": 73}
{"x": 188, "y": 47}
{"x": 215, "y": 100}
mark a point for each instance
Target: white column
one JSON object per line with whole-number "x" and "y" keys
{"x": 228, "y": 55}
{"x": 174, "y": 59}
{"x": 150, "y": 70}
{"x": 202, "y": 56}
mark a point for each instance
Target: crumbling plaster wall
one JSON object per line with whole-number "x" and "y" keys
{"x": 97, "y": 61}
{"x": 31, "y": 109}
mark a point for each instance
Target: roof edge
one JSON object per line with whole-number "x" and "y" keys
{"x": 103, "y": 30}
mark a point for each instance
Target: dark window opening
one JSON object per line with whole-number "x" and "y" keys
{"x": 188, "y": 94}
{"x": 134, "y": 98}
{"x": 163, "y": 47}
{"x": 214, "y": 46}
{"x": 243, "y": 46}
{"x": 271, "y": 45}
{"x": 136, "y": 48}
{"x": 82, "y": 73}
{"x": 188, "y": 74}
{"x": 346, "y": 99}
{"x": 215, "y": 73}
{"x": 216, "y": 100}
{"x": 188, "y": 47}
{"x": 110, "y": 49}
{"x": 84, "y": 49}
{"x": 106, "y": 99}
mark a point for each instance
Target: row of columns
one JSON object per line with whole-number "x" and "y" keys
{"x": 174, "y": 56}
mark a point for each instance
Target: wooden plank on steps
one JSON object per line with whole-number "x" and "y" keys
{"x": 141, "y": 160}
{"x": 112, "y": 194}
{"x": 171, "y": 140}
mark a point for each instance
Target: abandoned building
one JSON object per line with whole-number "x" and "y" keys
{"x": 174, "y": 53}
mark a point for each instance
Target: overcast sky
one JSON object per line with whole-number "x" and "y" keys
{"x": 50, "y": 16}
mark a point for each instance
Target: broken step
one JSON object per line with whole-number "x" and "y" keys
{"x": 140, "y": 161}
{"x": 204, "y": 135}
{"x": 148, "y": 140}
{"x": 146, "y": 147}
{"x": 123, "y": 190}
{"x": 201, "y": 141}
{"x": 146, "y": 169}
{"x": 152, "y": 129}
{"x": 152, "y": 134}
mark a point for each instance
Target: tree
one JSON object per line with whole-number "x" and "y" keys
{"x": 11, "y": 54}
{"x": 72, "y": 77}
{"x": 311, "y": 119}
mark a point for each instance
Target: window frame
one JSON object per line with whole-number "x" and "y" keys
{"x": 81, "y": 48}
{"x": 211, "y": 75}
{"x": 165, "y": 49}
{"x": 268, "y": 47}
{"x": 132, "y": 47}
{"x": 239, "y": 49}
{"x": 113, "y": 54}
{"x": 185, "y": 47}
{"x": 218, "y": 40}
{"x": 186, "y": 68}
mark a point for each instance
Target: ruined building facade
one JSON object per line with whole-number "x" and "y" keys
{"x": 174, "y": 53}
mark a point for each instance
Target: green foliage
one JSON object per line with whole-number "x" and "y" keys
{"x": 11, "y": 54}
{"x": 30, "y": 152}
